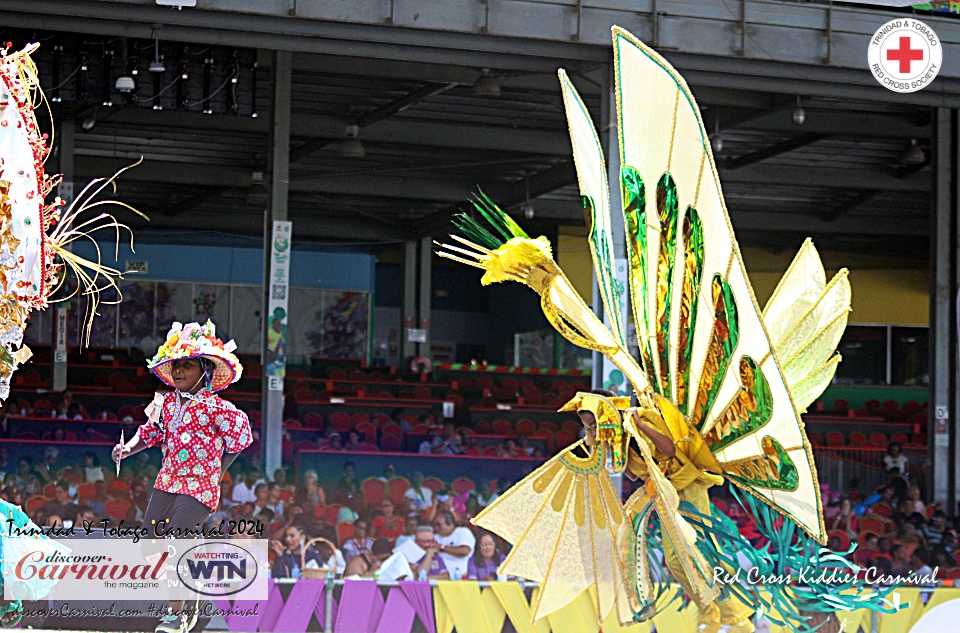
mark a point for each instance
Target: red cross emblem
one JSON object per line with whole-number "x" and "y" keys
{"x": 904, "y": 54}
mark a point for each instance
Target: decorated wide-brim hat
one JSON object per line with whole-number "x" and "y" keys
{"x": 197, "y": 341}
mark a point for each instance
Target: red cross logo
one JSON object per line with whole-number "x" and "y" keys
{"x": 905, "y": 54}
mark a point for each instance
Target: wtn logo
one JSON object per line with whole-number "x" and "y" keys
{"x": 221, "y": 569}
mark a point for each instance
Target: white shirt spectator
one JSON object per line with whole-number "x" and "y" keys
{"x": 336, "y": 561}
{"x": 899, "y": 462}
{"x": 242, "y": 493}
{"x": 459, "y": 536}
{"x": 420, "y": 498}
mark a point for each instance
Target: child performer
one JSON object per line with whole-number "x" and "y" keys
{"x": 199, "y": 433}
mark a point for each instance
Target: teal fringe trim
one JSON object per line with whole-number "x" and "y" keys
{"x": 790, "y": 553}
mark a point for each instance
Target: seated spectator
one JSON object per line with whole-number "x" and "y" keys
{"x": 25, "y": 478}
{"x": 348, "y": 484}
{"x": 46, "y": 470}
{"x": 895, "y": 459}
{"x": 324, "y": 530}
{"x": 274, "y": 502}
{"x": 426, "y": 446}
{"x": 456, "y": 544}
{"x": 943, "y": 559}
{"x": 845, "y": 520}
{"x": 932, "y": 533}
{"x": 261, "y": 498}
{"x": 509, "y": 449}
{"x": 350, "y": 511}
{"x": 900, "y": 561}
{"x": 418, "y": 496}
{"x": 486, "y": 560}
{"x": 397, "y": 417}
{"x": 92, "y": 470}
{"x": 139, "y": 498}
{"x": 69, "y": 408}
{"x": 884, "y": 546}
{"x": 487, "y": 492}
{"x": 907, "y": 513}
{"x": 410, "y": 525}
{"x": 360, "y": 543}
{"x": 288, "y": 553}
{"x": 913, "y": 494}
{"x": 949, "y": 542}
{"x": 447, "y": 443}
{"x": 61, "y": 504}
{"x": 430, "y": 562}
{"x": 332, "y": 442}
{"x": 100, "y": 498}
{"x": 389, "y": 472}
{"x": 243, "y": 489}
{"x": 471, "y": 509}
{"x": 863, "y": 555}
{"x": 443, "y": 502}
{"x": 310, "y": 491}
{"x": 920, "y": 563}
{"x": 356, "y": 444}
{"x": 280, "y": 478}
{"x": 523, "y": 447}
{"x": 366, "y": 564}
{"x": 85, "y": 518}
{"x": 387, "y": 524}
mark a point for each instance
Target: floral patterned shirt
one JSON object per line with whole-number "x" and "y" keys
{"x": 193, "y": 438}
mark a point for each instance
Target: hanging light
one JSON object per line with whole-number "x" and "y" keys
{"x": 156, "y": 66}
{"x": 913, "y": 154}
{"x": 716, "y": 141}
{"x": 799, "y": 114}
{"x": 527, "y": 208}
{"x": 125, "y": 84}
{"x": 486, "y": 84}
{"x": 351, "y": 147}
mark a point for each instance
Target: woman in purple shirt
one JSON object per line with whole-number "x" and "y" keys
{"x": 485, "y": 561}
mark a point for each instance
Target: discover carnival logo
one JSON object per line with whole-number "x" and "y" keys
{"x": 905, "y": 55}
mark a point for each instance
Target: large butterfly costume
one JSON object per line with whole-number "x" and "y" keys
{"x": 725, "y": 381}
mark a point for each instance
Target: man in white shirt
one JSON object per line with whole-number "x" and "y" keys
{"x": 456, "y": 544}
{"x": 419, "y": 496}
{"x": 243, "y": 491}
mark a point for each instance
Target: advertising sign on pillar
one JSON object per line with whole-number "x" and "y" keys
{"x": 275, "y": 357}
{"x": 60, "y": 348}
{"x": 614, "y": 379}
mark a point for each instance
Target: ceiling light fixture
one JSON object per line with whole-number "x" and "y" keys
{"x": 486, "y": 84}
{"x": 125, "y": 84}
{"x": 799, "y": 114}
{"x": 913, "y": 154}
{"x": 352, "y": 147}
{"x": 716, "y": 141}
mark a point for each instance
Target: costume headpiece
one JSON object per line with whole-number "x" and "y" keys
{"x": 33, "y": 233}
{"x": 197, "y": 341}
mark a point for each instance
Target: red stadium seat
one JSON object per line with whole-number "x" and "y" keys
{"x": 391, "y": 444}
{"x": 816, "y": 439}
{"x": 389, "y": 430}
{"x": 873, "y": 524}
{"x": 490, "y": 451}
{"x": 397, "y": 486}
{"x": 472, "y": 451}
{"x": 313, "y": 421}
{"x": 344, "y": 531}
{"x": 882, "y": 510}
{"x": 900, "y": 438}
{"x": 49, "y": 491}
{"x": 461, "y": 485}
{"x": 502, "y": 427}
{"x": 834, "y": 438}
{"x": 374, "y": 490}
{"x": 368, "y": 431}
{"x": 340, "y": 421}
{"x": 878, "y": 439}
{"x": 526, "y": 427}
{"x": 116, "y": 509}
{"x": 433, "y": 484}
{"x": 483, "y": 427}
{"x": 844, "y": 539}
{"x": 35, "y": 503}
{"x": 332, "y": 510}
{"x": 857, "y": 439}
{"x": 564, "y": 438}
{"x": 85, "y": 491}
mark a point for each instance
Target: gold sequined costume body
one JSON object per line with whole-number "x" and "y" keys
{"x": 723, "y": 380}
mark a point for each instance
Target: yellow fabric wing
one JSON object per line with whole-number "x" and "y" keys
{"x": 708, "y": 341}
{"x": 568, "y": 531}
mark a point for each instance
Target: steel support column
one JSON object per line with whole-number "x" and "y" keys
{"x": 61, "y": 314}
{"x": 279, "y": 172}
{"x": 945, "y": 263}
{"x": 409, "y": 313}
{"x": 426, "y": 285}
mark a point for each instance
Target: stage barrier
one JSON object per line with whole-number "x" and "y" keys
{"x": 484, "y": 607}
